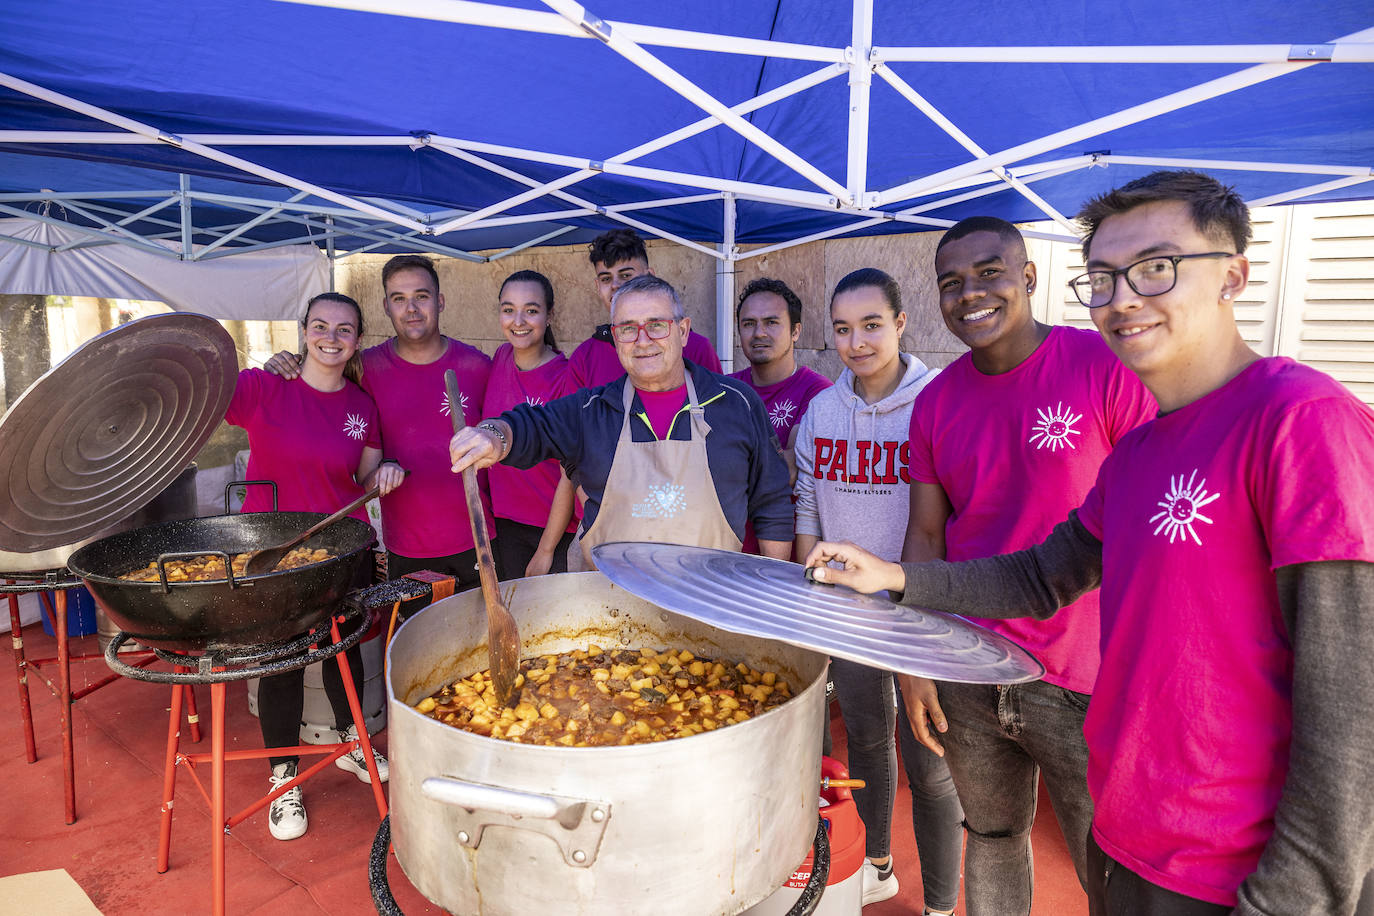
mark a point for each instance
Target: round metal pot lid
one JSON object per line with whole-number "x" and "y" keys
{"x": 109, "y": 427}
{"x": 758, "y": 596}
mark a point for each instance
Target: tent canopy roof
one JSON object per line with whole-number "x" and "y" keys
{"x": 440, "y": 123}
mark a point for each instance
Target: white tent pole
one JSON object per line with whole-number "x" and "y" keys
{"x": 330, "y": 252}
{"x": 119, "y": 239}
{"x": 1234, "y": 165}
{"x": 546, "y": 216}
{"x": 118, "y": 231}
{"x": 252, "y": 224}
{"x": 725, "y": 287}
{"x": 184, "y": 202}
{"x": 909, "y": 215}
{"x": 127, "y": 220}
{"x": 779, "y": 194}
{"x": 546, "y": 237}
{"x": 909, "y": 93}
{"x": 129, "y": 124}
{"x": 1299, "y": 193}
{"x": 28, "y": 243}
{"x": 1340, "y": 52}
{"x": 860, "y": 84}
{"x": 693, "y": 93}
{"x": 784, "y": 91}
{"x": 486, "y": 14}
{"x": 564, "y": 195}
{"x": 665, "y": 176}
{"x": 1171, "y": 102}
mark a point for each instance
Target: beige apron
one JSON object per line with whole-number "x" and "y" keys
{"x": 660, "y": 491}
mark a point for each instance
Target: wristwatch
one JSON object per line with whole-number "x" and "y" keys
{"x": 498, "y": 432}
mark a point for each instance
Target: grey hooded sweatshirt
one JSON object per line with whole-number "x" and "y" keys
{"x": 852, "y": 463}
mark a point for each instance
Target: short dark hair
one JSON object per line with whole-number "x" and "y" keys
{"x": 353, "y": 369}
{"x": 534, "y": 276}
{"x": 1217, "y": 211}
{"x": 410, "y": 262}
{"x": 648, "y": 283}
{"x": 871, "y": 276}
{"x": 1004, "y": 230}
{"x": 778, "y": 288}
{"x": 617, "y": 245}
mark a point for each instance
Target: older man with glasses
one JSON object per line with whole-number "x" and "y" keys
{"x": 671, "y": 452}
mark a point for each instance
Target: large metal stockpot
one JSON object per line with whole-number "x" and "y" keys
{"x": 704, "y": 825}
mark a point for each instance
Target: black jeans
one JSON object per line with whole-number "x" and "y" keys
{"x": 516, "y": 544}
{"x": 281, "y": 699}
{"x": 461, "y": 566}
{"x": 1115, "y": 890}
{"x": 867, "y": 699}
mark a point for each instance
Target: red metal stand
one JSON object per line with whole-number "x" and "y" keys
{"x": 219, "y": 824}
{"x": 63, "y": 688}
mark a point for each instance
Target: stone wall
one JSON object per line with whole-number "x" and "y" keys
{"x": 470, "y": 291}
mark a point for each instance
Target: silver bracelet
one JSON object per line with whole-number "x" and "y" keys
{"x": 498, "y": 433}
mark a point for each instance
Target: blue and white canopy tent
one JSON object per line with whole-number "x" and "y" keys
{"x": 457, "y": 127}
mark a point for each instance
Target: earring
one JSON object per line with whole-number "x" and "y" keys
{"x": 1226, "y": 295}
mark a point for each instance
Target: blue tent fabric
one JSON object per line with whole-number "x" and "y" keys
{"x": 265, "y": 67}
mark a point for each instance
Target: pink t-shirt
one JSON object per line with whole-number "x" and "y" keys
{"x": 308, "y": 441}
{"x": 662, "y": 407}
{"x": 1189, "y": 728}
{"x": 595, "y": 363}
{"x": 786, "y": 401}
{"x": 522, "y": 496}
{"x": 1015, "y": 453}
{"x": 427, "y": 515}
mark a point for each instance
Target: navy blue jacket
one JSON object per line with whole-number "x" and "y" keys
{"x": 581, "y": 431}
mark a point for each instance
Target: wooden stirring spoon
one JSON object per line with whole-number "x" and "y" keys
{"x": 503, "y": 639}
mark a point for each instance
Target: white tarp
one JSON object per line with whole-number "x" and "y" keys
{"x": 272, "y": 284}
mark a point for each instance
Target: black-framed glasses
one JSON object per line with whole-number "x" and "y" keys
{"x": 656, "y": 328}
{"x": 1148, "y": 277}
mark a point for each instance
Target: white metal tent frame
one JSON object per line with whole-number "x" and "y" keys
{"x": 324, "y": 216}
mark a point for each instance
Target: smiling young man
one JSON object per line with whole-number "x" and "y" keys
{"x": 1233, "y": 538}
{"x": 1030, "y": 410}
{"x": 618, "y": 257}
{"x": 427, "y": 526}
{"x": 670, "y": 452}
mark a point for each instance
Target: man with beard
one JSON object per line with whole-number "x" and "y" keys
{"x": 768, "y": 318}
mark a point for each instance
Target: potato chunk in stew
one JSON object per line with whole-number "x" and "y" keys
{"x": 599, "y": 698}
{"x": 209, "y": 567}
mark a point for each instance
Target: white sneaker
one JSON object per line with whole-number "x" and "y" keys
{"x": 286, "y": 818}
{"x": 878, "y": 884}
{"x": 354, "y": 762}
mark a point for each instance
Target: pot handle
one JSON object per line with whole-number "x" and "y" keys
{"x": 575, "y": 824}
{"x": 474, "y": 796}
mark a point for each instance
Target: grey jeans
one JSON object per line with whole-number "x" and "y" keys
{"x": 999, "y": 741}
{"x": 866, "y": 698}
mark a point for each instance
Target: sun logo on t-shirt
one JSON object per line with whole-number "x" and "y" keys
{"x": 355, "y": 426}
{"x": 1054, "y": 428}
{"x": 444, "y": 407}
{"x": 534, "y": 400}
{"x": 781, "y": 413}
{"x": 1180, "y": 507}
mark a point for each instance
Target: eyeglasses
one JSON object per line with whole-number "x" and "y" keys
{"x": 1149, "y": 277}
{"x": 656, "y": 328}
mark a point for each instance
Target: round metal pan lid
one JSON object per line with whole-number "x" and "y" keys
{"x": 758, "y": 596}
{"x": 109, "y": 427}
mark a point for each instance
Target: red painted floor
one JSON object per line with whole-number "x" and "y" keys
{"x": 111, "y": 850}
